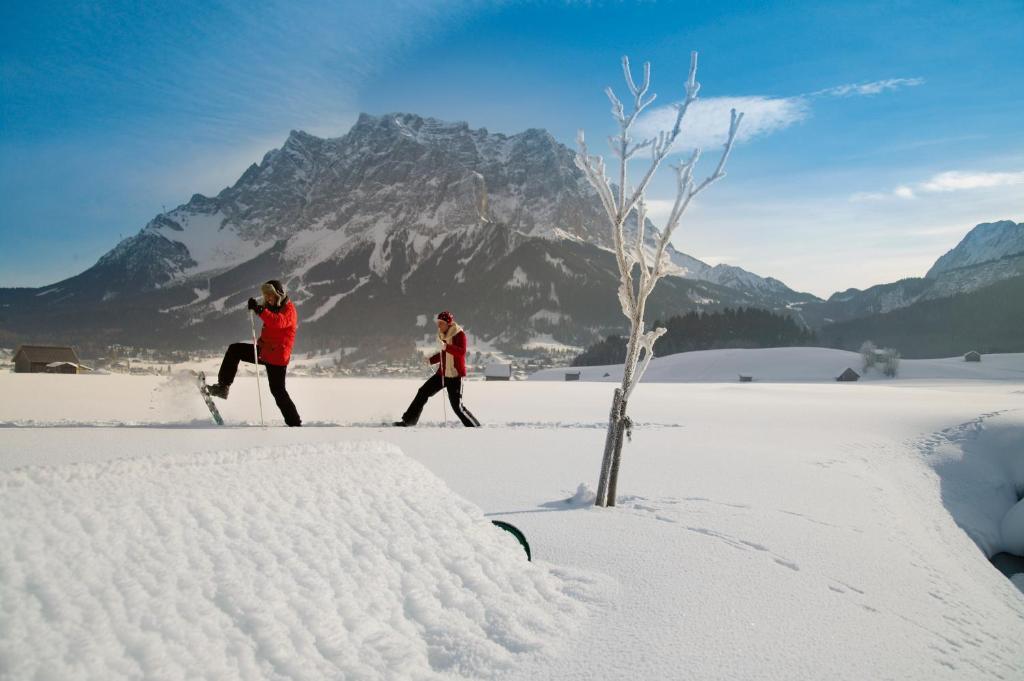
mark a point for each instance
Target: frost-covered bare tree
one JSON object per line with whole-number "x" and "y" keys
{"x": 869, "y": 354}
{"x": 640, "y": 266}
{"x": 890, "y": 362}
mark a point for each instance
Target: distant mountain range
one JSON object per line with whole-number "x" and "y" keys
{"x": 991, "y": 252}
{"x": 374, "y": 231}
{"x": 988, "y": 319}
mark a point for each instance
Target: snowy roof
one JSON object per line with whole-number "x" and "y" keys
{"x": 498, "y": 369}
{"x": 47, "y": 353}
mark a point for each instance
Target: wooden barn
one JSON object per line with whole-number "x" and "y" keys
{"x": 848, "y": 375}
{"x": 34, "y": 359}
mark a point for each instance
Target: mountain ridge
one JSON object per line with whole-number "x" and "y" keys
{"x": 349, "y": 221}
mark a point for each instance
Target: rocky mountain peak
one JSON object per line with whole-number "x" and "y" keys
{"x": 987, "y": 242}
{"x": 381, "y": 223}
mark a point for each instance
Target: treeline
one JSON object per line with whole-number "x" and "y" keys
{"x": 989, "y": 320}
{"x": 744, "y": 327}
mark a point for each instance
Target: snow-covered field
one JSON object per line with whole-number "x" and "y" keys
{"x": 772, "y": 530}
{"x": 795, "y": 364}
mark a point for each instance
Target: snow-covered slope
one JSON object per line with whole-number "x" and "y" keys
{"x": 795, "y": 364}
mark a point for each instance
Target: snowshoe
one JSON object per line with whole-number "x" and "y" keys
{"x": 204, "y": 391}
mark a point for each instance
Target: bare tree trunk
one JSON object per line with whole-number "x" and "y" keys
{"x": 619, "y": 203}
{"x": 620, "y": 432}
{"x": 616, "y": 426}
{"x": 609, "y": 448}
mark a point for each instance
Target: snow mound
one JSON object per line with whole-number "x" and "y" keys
{"x": 793, "y": 364}
{"x": 584, "y": 496}
{"x": 1011, "y": 528}
{"x": 980, "y": 465}
{"x": 342, "y": 560}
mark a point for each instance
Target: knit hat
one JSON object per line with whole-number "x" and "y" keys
{"x": 273, "y": 286}
{"x": 446, "y": 316}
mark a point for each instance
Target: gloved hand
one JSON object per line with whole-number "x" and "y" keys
{"x": 254, "y": 306}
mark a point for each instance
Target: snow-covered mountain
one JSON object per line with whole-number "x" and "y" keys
{"x": 731, "y": 277}
{"x": 402, "y": 216}
{"x": 989, "y": 242}
{"x": 991, "y": 252}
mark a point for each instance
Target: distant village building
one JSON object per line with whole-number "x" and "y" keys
{"x": 34, "y": 359}
{"x": 498, "y": 372}
{"x": 65, "y": 368}
{"x": 848, "y": 375}
{"x": 972, "y": 356}
{"x": 746, "y": 379}
{"x": 572, "y": 375}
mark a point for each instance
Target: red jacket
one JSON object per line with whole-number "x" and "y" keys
{"x": 278, "y": 334}
{"x": 457, "y": 350}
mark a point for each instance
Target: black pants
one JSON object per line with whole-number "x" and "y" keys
{"x": 431, "y": 388}
{"x": 243, "y": 352}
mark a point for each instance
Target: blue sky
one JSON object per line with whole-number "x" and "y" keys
{"x": 877, "y": 135}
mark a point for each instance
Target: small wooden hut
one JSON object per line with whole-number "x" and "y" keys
{"x": 498, "y": 372}
{"x": 46, "y": 358}
{"x": 848, "y": 375}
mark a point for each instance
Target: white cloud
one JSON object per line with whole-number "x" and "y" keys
{"x": 658, "y": 210}
{"x": 949, "y": 181}
{"x": 707, "y": 120}
{"x": 869, "y": 196}
{"x": 867, "y": 89}
{"x": 955, "y": 181}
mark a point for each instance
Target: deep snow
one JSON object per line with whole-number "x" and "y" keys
{"x": 765, "y": 531}
{"x": 298, "y": 562}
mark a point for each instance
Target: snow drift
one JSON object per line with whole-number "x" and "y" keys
{"x": 343, "y": 560}
{"x": 981, "y": 468}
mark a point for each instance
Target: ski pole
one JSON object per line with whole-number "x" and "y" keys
{"x": 256, "y": 364}
{"x": 444, "y": 393}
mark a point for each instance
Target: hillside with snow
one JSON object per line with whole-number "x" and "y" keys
{"x": 795, "y": 364}
{"x": 773, "y": 530}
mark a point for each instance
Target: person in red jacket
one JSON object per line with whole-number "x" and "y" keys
{"x": 273, "y": 349}
{"x": 451, "y": 361}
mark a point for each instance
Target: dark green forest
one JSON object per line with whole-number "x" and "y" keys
{"x": 744, "y": 327}
{"x": 987, "y": 320}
